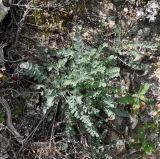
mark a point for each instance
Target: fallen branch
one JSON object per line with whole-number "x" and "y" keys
{"x": 2, "y": 53}
{"x": 21, "y": 24}
{"x": 10, "y": 126}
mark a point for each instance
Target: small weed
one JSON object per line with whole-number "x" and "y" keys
{"x": 144, "y": 142}
{"x": 136, "y": 99}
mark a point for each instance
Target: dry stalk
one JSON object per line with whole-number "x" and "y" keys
{"x": 9, "y": 123}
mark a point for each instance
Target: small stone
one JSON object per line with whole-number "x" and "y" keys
{"x": 125, "y": 10}
{"x": 111, "y": 24}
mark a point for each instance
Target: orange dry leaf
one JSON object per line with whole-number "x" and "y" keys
{"x": 143, "y": 106}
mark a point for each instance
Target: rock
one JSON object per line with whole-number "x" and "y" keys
{"x": 3, "y": 10}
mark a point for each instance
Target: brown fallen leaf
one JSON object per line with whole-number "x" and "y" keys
{"x": 143, "y": 106}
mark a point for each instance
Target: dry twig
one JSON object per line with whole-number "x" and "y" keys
{"x": 9, "y": 123}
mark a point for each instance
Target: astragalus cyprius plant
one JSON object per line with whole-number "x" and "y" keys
{"x": 79, "y": 76}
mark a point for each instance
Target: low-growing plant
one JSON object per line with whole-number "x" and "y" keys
{"x": 80, "y": 77}
{"x": 136, "y": 99}
{"x": 144, "y": 142}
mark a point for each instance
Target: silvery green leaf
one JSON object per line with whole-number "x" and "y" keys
{"x": 25, "y": 65}
{"x": 39, "y": 86}
{"x": 50, "y": 100}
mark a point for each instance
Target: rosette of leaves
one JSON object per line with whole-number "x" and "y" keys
{"x": 79, "y": 76}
